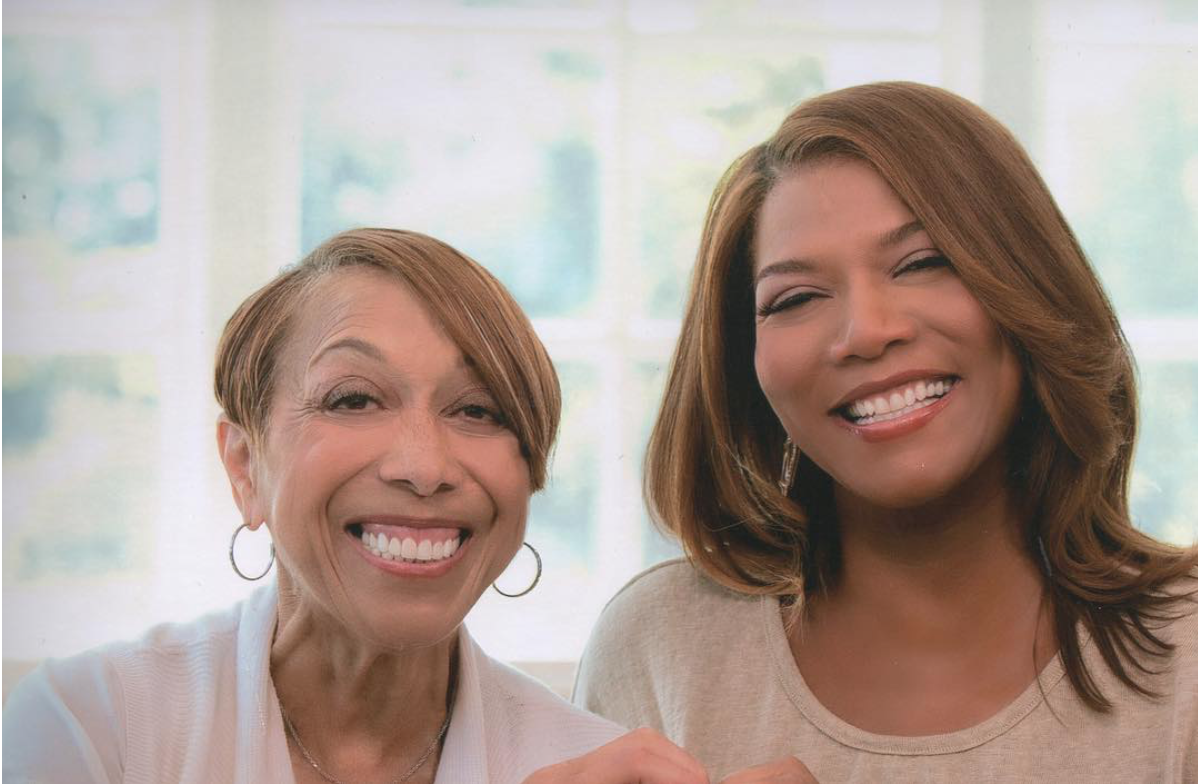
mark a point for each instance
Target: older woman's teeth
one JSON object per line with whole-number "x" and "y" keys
{"x": 408, "y": 549}
{"x": 898, "y": 402}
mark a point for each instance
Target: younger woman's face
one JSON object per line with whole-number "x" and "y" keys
{"x": 883, "y": 368}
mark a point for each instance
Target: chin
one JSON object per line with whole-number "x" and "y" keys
{"x": 412, "y": 626}
{"x": 900, "y": 493}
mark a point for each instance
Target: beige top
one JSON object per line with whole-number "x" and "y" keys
{"x": 712, "y": 670}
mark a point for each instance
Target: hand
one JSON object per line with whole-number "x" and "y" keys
{"x": 639, "y": 757}
{"x": 787, "y": 770}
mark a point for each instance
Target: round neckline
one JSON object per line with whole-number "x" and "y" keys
{"x": 793, "y": 684}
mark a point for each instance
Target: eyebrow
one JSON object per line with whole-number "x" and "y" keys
{"x": 886, "y": 240}
{"x": 899, "y": 234}
{"x": 350, "y": 344}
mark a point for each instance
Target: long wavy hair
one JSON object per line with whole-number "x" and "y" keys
{"x": 715, "y": 452}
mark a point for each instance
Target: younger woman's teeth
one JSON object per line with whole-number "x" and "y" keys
{"x": 409, "y": 549}
{"x": 898, "y": 402}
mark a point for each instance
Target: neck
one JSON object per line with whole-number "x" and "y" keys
{"x": 936, "y": 619}
{"x": 363, "y": 710}
{"x": 935, "y": 573}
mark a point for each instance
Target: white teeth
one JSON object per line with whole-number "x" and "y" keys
{"x": 409, "y": 549}
{"x": 912, "y": 398}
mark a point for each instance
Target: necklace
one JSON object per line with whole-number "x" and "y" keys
{"x": 291, "y": 731}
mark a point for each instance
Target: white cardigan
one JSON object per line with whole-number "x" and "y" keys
{"x": 195, "y": 703}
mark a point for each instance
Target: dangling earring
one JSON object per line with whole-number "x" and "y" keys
{"x": 1045, "y": 558}
{"x": 233, "y": 560}
{"x": 536, "y": 577}
{"x": 788, "y": 473}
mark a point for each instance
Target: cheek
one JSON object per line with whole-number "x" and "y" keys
{"x": 778, "y": 365}
{"x": 504, "y": 475}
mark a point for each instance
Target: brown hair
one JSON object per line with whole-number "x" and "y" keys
{"x": 715, "y": 452}
{"x": 474, "y": 308}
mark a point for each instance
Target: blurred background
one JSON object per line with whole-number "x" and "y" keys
{"x": 164, "y": 158}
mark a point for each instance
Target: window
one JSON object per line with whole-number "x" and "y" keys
{"x": 162, "y": 162}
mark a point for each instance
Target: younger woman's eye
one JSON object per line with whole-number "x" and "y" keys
{"x": 785, "y": 303}
{"x": 925, "y": 262}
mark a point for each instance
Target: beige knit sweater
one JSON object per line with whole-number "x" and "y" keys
{"x": 712, "y": 670}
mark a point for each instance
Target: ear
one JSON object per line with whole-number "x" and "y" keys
{"x": 233, "y": 444}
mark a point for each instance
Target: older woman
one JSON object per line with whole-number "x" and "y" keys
{"x": 387, "y": 412}
{"x": 896, "y": 445}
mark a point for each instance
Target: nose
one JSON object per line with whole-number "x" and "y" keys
{"x": 872, "y": 320}
{"x": 418, "y": 456}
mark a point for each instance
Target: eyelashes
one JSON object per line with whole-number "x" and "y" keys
{"x": 924, "y": 262}
{"x": 798, "y": 299}
{"x": 784, "y": 303}
{"x": 476, "y": 407}
{"x": 348, "y": 399}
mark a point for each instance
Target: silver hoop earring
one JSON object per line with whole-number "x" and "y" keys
{"x": 233, "y": 560}
{"x": 536, "y": 577}
{"x": 788, "y": 473}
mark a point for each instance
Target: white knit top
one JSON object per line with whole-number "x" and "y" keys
{"x": 195, "y": 703}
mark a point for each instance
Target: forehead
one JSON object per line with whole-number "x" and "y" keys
{"x": 822, "y": 205}
{"x": 368, "y": 304}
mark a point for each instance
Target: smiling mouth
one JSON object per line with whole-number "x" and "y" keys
{"x": 407, "y": 544}
{"x": 897, "y": 402}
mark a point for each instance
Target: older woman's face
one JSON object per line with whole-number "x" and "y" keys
{"x": 394, "y": 492}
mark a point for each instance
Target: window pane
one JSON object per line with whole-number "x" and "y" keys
{"x": 721, "y": 16}
{"x": 80, "y": 141}
{"x": 694, "y": 111}
{"x": 1126, "y": 183}
{"x": 1163, "y": 493}
{"x": 436, "y": 140}
{"x": 79, "y": 480}
{"x": 649, "y": 380}
{"x": 562, "y": 516}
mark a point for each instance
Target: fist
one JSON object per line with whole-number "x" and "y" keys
{"x": 639, "y": 757}
{"x": 787, "y": 770}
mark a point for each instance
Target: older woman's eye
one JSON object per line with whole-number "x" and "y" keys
{"x": 481, "y": 413}
{"x": 350, "y": 401}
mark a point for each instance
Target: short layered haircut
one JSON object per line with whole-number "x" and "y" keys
{"x": 478, "y": 314}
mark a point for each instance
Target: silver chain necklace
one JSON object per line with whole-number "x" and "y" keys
{"x": 291, "y": 730}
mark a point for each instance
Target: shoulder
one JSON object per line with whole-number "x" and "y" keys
{"x": 670, "y": 590}
{"x": 1180, "y": 632}
{"x": 162, "y": 654}
{"x": 96, "y": 708}
{"x": 648, "y": 630}
{"x": 663, "y": 604}
{"x": 523, "y": 714}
